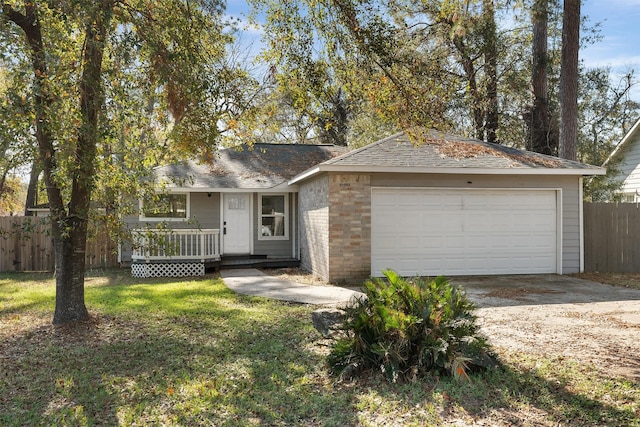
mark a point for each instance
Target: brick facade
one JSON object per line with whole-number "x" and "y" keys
{"x": 335, "y": 227}
{"x": 314, "y": 226}
{"x": 350, "y": 227}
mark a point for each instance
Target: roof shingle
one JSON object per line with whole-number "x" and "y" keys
{"x": 261, "y": 166}
{"x": 433, "y": 149}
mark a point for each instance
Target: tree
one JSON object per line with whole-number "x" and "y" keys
{"x": 337, "y": 61}
{"x": 538, "y": 119}
{"x": 164, "y": 45}
{"x": 606, "y": 112}
{"x": 11, "y": 195}
{"x": 474, "y": 37}
{"x": 16, "y": 148}
{"x": 432, "y": 63}
{"x": 568, "y": 95}
{"x": 444, "y": 64}
{"x": 69, "y": 223}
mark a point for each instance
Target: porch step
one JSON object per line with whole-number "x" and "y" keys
{"x": 253, "y": 262}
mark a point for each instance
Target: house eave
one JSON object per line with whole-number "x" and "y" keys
{"x": 284, "y": 187}
{"x": 435, "y": 170}
{"x": 623, "y": 143}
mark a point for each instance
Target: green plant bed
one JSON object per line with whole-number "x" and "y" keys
{"x": 407, "y": 328}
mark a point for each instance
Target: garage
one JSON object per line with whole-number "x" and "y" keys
{"x": 449, "y": 231}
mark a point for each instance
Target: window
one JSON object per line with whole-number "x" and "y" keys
{"x": 172, "y": 207}
{"x": 629, "y": 198}
{"x": 274, "y": 213}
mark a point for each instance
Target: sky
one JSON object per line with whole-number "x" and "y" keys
{"x": 620, "y": 28}
{"x": 619, "y": 23}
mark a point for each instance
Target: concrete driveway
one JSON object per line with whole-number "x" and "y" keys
{"x": 561, "y": 316}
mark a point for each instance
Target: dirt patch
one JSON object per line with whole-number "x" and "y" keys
{"x": 627, "y": 280}
{"x": 591, "y": 323}
{"x": 518, "y": 293}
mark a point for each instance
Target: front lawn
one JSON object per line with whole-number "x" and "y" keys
{"x": 191, "y": 352}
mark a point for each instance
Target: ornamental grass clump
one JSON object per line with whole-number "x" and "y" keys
{"x": 407, "y": 329}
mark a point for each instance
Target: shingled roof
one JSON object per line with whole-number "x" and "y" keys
{"x": 430, "y": 151}
{"x": 260, "y": 166}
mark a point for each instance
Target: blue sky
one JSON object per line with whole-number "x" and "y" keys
{"x": 620, "y": 31}
{"x": 620, "y": 46}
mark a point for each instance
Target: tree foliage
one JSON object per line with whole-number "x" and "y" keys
{"x": 372, "y": 67}
{"x": 17, "y": 147}
{"x": 335, "y": 61}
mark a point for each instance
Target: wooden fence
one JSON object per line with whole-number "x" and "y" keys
{"x": 612, "y": 237}
{"x": 26, "y": 245}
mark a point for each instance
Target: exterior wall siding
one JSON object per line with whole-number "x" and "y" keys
{"x": 350, "y": 227}
{"x": 313, "y": 225}
{"x": 629, "y": 167}
{"x": 205, "y": 211}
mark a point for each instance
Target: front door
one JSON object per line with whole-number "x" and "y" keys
{"x": 237, "y": 223}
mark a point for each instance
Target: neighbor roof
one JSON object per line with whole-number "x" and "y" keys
{"x": 626, "y": 140}
{"x": 430, "y": 151}
{"x": 260, "y": 166}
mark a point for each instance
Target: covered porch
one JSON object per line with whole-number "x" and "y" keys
{"x": 190, "y": 252}
{"x": 174, "y": 253}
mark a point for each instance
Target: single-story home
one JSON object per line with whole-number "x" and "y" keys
{"x": 419, "y": 202}
{"x": 626, "y": 160}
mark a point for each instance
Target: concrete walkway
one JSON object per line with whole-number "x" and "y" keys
{"x": 253, "y": 282}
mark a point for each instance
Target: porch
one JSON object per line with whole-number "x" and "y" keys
{"x": 174, "y": 253}
{"x": 190, "y": 252}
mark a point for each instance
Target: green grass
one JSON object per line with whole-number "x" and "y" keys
{"x": 190, "y": 352}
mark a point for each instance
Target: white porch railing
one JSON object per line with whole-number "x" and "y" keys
{"x": 176, "y": 245}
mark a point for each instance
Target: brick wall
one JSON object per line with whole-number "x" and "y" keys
{"x": 314, "y": 226}
{"x": 350, "y": 231}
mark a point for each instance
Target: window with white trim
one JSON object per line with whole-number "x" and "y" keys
{"x": 165, "y": 207}
{"x": 274, "y": 217}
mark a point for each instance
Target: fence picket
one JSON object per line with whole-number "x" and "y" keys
{"x": 26, "y": 245}
{"x": 611, "y": 237}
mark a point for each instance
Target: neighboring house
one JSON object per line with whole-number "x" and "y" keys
{"x": 40, "y": 210}
{"x": 428, "y": 204}
{"x": 626, "y": 159}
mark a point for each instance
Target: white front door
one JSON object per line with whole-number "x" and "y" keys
{"x": 236, "y": 223}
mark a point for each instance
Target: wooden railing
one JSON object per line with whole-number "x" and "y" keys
{"x": 180, "y": 244}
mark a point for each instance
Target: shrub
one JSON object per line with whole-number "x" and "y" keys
{"x": 408, "y": 328}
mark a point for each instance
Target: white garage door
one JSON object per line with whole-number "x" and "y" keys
{"x": 463, "y": 232}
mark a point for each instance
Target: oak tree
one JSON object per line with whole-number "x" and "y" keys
{"x": 92, "y": 64}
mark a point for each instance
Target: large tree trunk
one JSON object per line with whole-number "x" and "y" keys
{"x": 70, "y": 256}
{"x": 490, "y": 52}
{"x": 538, "y": 120}
{"x": 569, "y": 80}
{"x": 70, "y": 266}
{"x": 32, "y": 189}
{"x": 477, "y": 100}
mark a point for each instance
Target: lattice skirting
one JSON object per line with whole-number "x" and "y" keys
{"x": 169, "y": 269}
